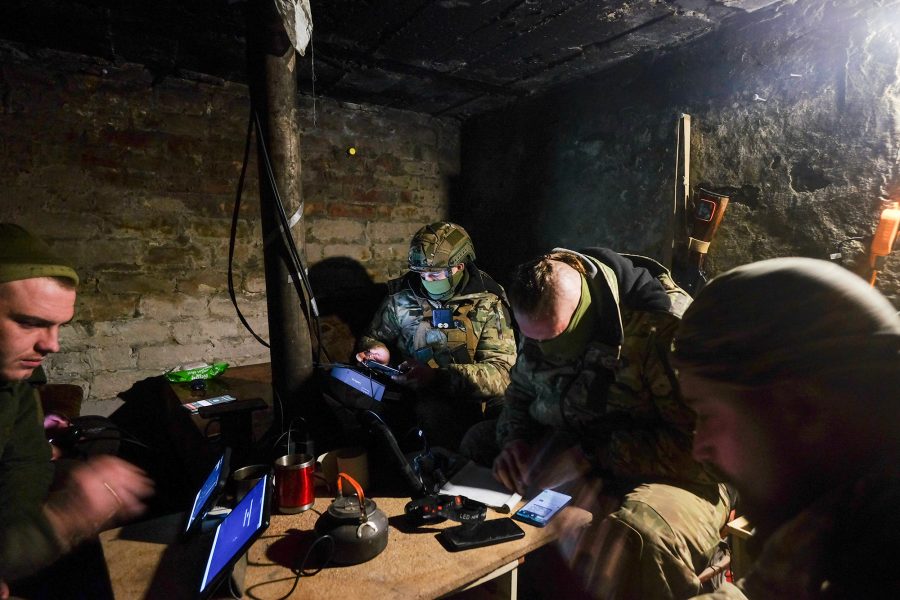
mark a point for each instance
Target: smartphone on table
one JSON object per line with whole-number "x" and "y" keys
{"x": 486, "y": 533}
{"x": 540, "y": 509}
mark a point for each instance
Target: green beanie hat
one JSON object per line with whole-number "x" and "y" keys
{"x": 23, "y": 256}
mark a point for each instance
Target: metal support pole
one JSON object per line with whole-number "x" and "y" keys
{"x": 271, "y": 66}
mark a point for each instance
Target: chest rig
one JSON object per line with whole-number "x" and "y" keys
{"x": 445, "y": 335}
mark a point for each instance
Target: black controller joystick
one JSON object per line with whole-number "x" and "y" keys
{"x": 440, "y": 507}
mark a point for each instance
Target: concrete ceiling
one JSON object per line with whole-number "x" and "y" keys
{"x": 442, "y": 57}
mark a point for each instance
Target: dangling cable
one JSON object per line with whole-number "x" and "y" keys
{"x": 299, "y": 271}
{"x": 233, "y": 235}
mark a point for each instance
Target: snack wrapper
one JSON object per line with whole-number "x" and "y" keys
{"x": 185, "y": 373}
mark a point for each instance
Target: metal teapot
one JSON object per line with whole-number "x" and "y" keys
{"x": 357, "y": 527}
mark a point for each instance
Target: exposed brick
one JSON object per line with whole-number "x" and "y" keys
{"x": 180, "y": 306}
{"x": 165, "y": 357}
{"x": 356, "y": 252}
{"x": 106, "y": 307}
{"x": 133, "y": 332}
{"x": 135, "y": 184}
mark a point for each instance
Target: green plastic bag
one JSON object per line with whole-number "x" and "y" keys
{"x": 206, "y": 371}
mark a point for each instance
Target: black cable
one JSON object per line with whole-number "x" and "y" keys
{"x": 299, "y": 570}
{"x": 233, "y": 236}
{"x": 299, "y": 272}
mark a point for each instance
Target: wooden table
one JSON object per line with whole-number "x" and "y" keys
{"x": 414, "y": 564}
{"x": 238, "y": 430}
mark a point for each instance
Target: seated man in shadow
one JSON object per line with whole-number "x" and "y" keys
{"x": 793, "y": 368}
{"x": 450, "y": 324}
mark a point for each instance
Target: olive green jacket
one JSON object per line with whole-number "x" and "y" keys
{"x": 27, "y": 541}
{"x": 473, "y": 358}
{"x": 619, "y": 400}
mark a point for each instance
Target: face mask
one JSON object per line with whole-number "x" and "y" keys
{"x": 571, "y": 342}
{"x": 442, "y": 289}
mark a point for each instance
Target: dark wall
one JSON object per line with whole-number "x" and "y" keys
{"x": 796, "y": 115}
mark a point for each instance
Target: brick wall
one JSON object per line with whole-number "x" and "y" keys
{"x": 134, "y": 180}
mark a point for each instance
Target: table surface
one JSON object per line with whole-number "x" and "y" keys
{"x": 142, "y": 564}
{"x": 190, "y": 430}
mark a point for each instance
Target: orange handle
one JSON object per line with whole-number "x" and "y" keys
{"x": 359, "y": 493}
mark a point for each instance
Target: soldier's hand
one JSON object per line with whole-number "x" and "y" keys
{"x": 96, "y": 494}
{"x": 512, "y": 465}
{"x": 377, "y": 353}
{"x": 554, "y": 467}
{"x": 416, "y": 375}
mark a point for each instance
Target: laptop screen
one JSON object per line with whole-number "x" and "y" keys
{"x": 237, "y": 532}
{"x": 360, "y": 382}
{"x": 209, "y": 491}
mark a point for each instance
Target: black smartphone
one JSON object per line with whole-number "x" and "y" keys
{"x": 542, "y": 507}
{"x": 486, "y": 533}
{"x": 377, "y": 366}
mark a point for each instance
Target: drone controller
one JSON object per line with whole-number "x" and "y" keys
{"x": 437, "y": 508}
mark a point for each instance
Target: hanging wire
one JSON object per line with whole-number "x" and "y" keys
{"x": 233, "y": 236}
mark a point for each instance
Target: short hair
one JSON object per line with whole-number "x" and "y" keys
{"x": 533, "y": 281}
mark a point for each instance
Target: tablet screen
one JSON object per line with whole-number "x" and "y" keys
{"x": 237, "y": 532}
{"x": 209, "y": 491}
{"x": 360, "y": 382}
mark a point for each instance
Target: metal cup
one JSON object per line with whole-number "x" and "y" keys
{"x": 245, "y": 478}
{"x": 295, "y": 486}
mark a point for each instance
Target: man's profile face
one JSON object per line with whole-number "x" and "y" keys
{"x": 31, "y": 313}
{"x": 742, "y": 439}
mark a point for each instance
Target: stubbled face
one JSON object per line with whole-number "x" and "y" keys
{"x": 744, "y": 440}
{"x": 31, "y": 313}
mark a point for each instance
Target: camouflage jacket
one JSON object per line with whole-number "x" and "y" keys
{"x": 473, "y": 357}
{"x": 620, "y": 399}
{"x": 841, "y": 546}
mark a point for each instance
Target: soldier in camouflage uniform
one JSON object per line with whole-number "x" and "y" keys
{"x": 450, "y": 324}
{"x": 592, "y": 376}
{"x": 792, "y": 367}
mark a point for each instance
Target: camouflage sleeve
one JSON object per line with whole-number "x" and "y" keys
{"x": 655, "y": 543}
{"x": 384, "y": 328}
{"x": 495, "y": 355}
{"x": 515, "y": 422}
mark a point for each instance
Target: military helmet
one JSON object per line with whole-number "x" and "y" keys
{"x": 439, "y": 246}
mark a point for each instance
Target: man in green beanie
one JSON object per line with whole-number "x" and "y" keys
{"x": 37, "y": 525}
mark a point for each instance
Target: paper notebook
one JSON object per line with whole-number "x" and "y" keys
{"x": 478, "y": 483}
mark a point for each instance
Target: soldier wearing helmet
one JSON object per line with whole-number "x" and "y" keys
{"x": 447, "y": 324}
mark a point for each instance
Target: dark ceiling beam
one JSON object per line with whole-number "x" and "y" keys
{"x": 553, "y": 65}
{"x": 519, "y": 34}
{"x": 341, "y": 56}
{"x": 387, "y": 36}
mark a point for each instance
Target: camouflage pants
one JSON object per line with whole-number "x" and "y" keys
{"x": 647, "y": 541}
{"x": 652, "y": 546}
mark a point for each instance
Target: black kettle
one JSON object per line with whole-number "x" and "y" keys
{"x": 358, "y": 529}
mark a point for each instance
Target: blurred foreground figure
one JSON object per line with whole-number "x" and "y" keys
{"x": 792, "y": 366}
